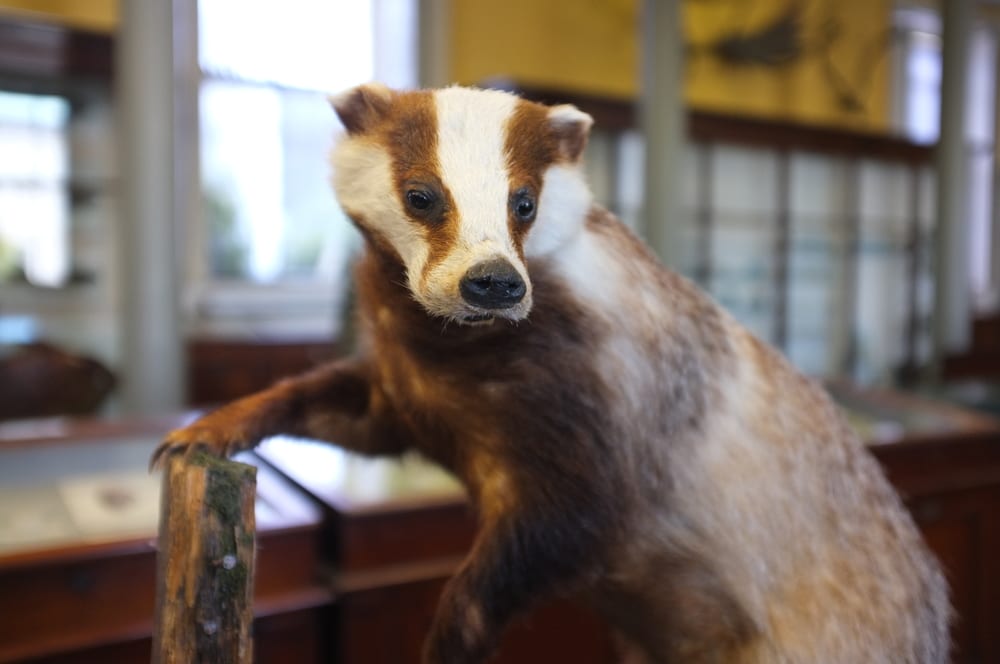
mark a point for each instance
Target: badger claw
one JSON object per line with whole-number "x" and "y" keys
{"x": 189, "y": 440}
{"x": 162, "y": 451}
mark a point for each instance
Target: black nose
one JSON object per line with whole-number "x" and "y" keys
{"x": 493, "y": 284}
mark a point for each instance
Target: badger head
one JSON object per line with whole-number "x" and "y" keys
{"x": 462, "y": 186}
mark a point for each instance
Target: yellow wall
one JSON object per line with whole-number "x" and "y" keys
{"x": 577, "y": 45}
{"x": 590, "y": 46}
{"x": 97, "y": 15}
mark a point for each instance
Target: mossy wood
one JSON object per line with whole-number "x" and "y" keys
{"x": 205, "y": 566}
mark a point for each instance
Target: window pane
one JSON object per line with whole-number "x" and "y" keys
{"x": 34, "y": 211}
{"x": 266, "y": 131}
{"x": 310, "y": 44}
{"x": 269, "y": 209}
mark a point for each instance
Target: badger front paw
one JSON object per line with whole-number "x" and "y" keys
{"x": 211, "y": 434}
{"x": 460, "y": 634}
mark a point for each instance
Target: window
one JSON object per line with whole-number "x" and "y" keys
{"x": 920, "y": 103}
{"x": 981, "y": 120}
{"x": 273, "y": 241}
{"x": 265, "y": 130}
{"x": 920, "y": 86}
{"x": 34, "y": 203}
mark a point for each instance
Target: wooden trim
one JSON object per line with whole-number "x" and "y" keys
{"x": 971, "y": 462}
{"x": 77, "y": 430}
{"x": 972, "y": 365}
{"x": 792, "y": 136}
{"x": 348, "y": 582}
{"x": 608, "y": 113}
{"x": 712, "y": 127}
{"x": 75, "y": 553}
{"x": 283, "y": 603}
{"x": 963, "y": 424}
{"x": 41, "y": 54}
{"x": 71, "y": 642}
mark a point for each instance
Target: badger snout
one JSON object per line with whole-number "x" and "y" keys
{"x": 492, "y": 284}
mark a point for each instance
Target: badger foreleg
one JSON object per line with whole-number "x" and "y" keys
{"x": 336, "y": 403}
{"x": 525, "y": 556}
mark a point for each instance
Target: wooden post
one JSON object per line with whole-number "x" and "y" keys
{"x": 205, "y": 564}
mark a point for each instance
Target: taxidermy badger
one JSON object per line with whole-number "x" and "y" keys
{"x": 621, "y": 437}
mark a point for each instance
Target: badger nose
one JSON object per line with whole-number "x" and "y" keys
{"x": 492, "y": 284}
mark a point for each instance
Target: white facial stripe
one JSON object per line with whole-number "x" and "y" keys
{"x": 471, "y": 141}
{"x": 364, "y": 184}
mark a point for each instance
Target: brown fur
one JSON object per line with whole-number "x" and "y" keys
{"x": 408, "y": 133}
{"x": 632, "y": 444}
{"x": 531, "y": 147}
{"x": 405, "y": 127}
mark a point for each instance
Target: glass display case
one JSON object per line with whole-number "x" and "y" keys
{"x": 78, "y": 520}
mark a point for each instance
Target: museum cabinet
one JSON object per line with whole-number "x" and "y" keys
{"x": 78, "y": 517}
{"x": 353, "y": 552}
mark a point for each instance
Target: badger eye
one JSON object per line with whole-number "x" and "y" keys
{"x": 420, "y": 200}
{"x": 524, "y": 206}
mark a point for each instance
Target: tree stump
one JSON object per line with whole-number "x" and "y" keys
{"x": 205, "y": 563}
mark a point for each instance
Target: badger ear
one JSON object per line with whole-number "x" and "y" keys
{"x": 361, "y": 107}
{"x": 571, "y": 127}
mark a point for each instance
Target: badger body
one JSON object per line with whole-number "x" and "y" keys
{"x": 622, "y": 438}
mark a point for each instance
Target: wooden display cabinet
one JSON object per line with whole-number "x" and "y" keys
{"x": 352, "y": 574}
{"x": 221, "y": 370}
{"x": 78, "y": 520}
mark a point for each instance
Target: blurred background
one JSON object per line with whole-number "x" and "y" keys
{"x": 826, "y": 169}
{"x": 794, "y": 169}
